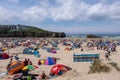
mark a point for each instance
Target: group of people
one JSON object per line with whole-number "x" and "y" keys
{"x": 45, "y": 61}
{"x": 107, "y": 46}
{"x": 27, "y": 62}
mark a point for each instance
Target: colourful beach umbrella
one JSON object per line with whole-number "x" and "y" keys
{"x": 30, "y": 67}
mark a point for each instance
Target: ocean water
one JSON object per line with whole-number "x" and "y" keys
{"x": 101, "y": 35}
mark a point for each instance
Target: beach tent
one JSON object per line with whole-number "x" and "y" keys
{"x": 67, "y": 49}
{"x": 36, "y": 53}
{"x": 15, "y": 67}
{"x": 54, "y": 51}
{"x": 44, "y": 47}
{"x": 58, "y": 68}
{"x": 49, "y": 50}
{"x": 64, "y": 43}
{"x": 4, "y": 55}
{"x": 54, "y": 45}
{"x": 50, "y": 61}
{"x": 17, "y": 44}
{"x": 56, "y": 48}
{"x": 27, "y": 51}
{"x": 75, "y": 45}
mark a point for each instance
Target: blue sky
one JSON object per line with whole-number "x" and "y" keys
{"x": 70, "y": 16}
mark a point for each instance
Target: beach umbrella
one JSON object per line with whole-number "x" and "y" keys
{"x": 30, "y": 67}
{"x": 57, "y": 68}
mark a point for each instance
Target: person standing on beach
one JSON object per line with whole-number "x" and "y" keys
{"x": 16, "y": 57}
{"x": 29, "y": 62}
{"x": 36, "y": 53}
{"x": 9, "y": 64}
{"x": 107, "y": 54}
{"x": 26, "y": 62}
{"x": 43, "y": 76}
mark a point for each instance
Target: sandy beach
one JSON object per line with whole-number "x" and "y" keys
{"x": 79, "y": 69}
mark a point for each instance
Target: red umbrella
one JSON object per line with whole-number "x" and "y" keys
{"x": 56, "y": 69}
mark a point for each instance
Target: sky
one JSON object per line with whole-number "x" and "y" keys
{"x": 69, "y": 16}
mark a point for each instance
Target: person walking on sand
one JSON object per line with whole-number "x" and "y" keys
{"x": 107, "y": 55}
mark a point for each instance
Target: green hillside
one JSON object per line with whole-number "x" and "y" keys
{"x": 26, "y": 31}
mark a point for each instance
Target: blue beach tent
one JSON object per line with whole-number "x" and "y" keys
{"x": 27, "y": 51}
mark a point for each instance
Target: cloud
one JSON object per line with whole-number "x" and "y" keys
{"x": 72, "y": 10}
{"x": 63, "y": 10}
{"x": 6, "y": 15}
{"x": 14, "y": 1}
{"x": 34, "y": 14}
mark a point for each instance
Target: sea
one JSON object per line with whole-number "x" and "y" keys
{"x": 103, "y": 35}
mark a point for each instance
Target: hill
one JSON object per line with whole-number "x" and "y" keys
{"x": 27, "y": 31}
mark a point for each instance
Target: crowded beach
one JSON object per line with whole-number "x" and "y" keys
{"x": 53, "y": 58}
